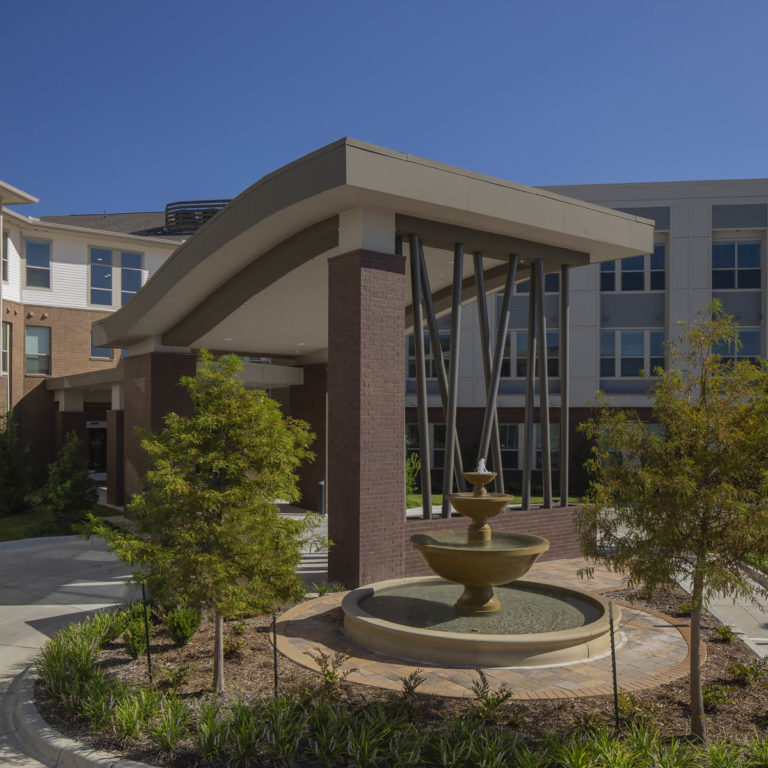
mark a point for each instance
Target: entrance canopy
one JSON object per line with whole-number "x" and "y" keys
{"x": 255, "y": 278}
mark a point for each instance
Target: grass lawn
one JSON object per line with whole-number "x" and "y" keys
{"x": 16, "y": 526}
{"x": 414, "y": 500}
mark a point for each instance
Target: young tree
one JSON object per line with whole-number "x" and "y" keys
{"x": 208, "y": 532}
{"x": 687, "y": 500}
{"x": 15, "y": 477}
{"x": 69, "y": 494}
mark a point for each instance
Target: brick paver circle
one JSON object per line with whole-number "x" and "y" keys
{"x": 653, "y": 649}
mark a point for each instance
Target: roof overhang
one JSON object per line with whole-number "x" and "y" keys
{"x": 254, "y": 279}
{"x": 12, "y": 196}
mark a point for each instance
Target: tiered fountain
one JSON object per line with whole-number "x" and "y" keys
{"x": 521, "y": 623}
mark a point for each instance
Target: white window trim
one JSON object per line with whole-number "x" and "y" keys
{"x": 117, "y": 276}
{"x": 24, "y": 284}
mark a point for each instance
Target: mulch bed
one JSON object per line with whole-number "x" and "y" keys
{"x": 249, "y": 673}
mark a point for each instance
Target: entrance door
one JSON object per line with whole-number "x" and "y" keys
{"x": 97, "y": 449}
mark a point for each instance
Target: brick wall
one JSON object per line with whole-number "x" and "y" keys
{"x": 151, "y": 390}
{"x": 308, "y": 402}
{"x": 70, "y": 354}
{"x": 556, "y": 524}
{"x": 366, "y": 405}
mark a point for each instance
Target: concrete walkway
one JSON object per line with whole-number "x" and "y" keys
{"x": 44, "y": 585}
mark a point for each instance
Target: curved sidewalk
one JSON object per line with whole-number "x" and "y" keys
{"x": 44, "y": 585}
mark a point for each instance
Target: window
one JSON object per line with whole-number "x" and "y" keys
{"x": 101, "y": 277}
{"x": 104, "y": 353}
{"x": 37, "y": 350}
{"x": 38, "y": 264}
{"x": 551, "y": 284}
{"x": 4, "y": 257}
{"x": 554, "y": 446}
{"x": 445, "y": 345}
{"x": 632, "y": 272}
{"x": 517, "y": 366}
{"x": 5, "y": 348}
{"x": 749, "y": 350}
{"x": 104, "y": 269}
{"x": 631, "y": 353}
{"x": 735, "y": 265}
{"x": 510, "y": 440}
{"x": 130, "y": 276}
{"x": 436, "y": 443}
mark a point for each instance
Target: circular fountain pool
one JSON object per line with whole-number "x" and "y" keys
{"x": 539, "y": 624}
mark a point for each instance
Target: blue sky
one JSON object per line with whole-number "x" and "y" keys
{"x": 126, "y": 106}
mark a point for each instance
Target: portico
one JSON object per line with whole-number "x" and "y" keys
{"x": 323, "y": 267}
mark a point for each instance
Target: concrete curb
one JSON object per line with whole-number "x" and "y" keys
{"x": 45, "y": 743}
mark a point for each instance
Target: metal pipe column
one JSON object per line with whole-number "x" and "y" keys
{"x": 528, "y": 444}
{"x": 485, "y": 346}
{"x": 546, "y": 456}
{"x": 564, "y": 384}
{"x": 437, "y": 357}
{"x": 453, "y": 379}
{"x": 421, "y": 378}
{"x": 501, "y": 337}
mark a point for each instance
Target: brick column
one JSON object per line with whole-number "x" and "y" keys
{"x": 366, "y": 416}
{"x": 151, "y": 390}
{"x": 308, "y": 402}
{"x": 115, "y": 458}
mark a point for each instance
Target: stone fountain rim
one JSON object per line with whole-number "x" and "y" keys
{"x": 351, "y": 607}
{"x": 538, "y": 544}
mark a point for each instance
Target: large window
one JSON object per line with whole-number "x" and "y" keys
{"x": 636, "y": 273}
{"x": 5, "y": 348}
{"x": 106, "y": 268}
{"x": 101, "y": 276}
{"x": 554, "y": 446}
{"x": 445, "y": 344}
{"x": 631, "y": 353}
{"x": 735, "y": 265}
{"x": 130, "y": 275}
{"x": 38, "y": 264}
{"x": 37, "y": 350}
{"x": 4, "y": 257}
{"x": 104, "y": 353}
{"x": 512, "y": 436}
{"x": 749, "y": 349}
{"x": 515, "y": 361}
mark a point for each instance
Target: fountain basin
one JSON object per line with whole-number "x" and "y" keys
{"x": 373, "y": 617}
{"x": 507, "y": 557}
{"x": 480, "y": 507}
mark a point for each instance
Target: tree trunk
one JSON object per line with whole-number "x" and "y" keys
{"x": 698, "y": 724}
{"x": 218, "y": 653}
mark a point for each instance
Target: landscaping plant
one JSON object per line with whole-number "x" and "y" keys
{"x": 182, "y": 623}
{"x": 208, "y": 532}
{"x": 69, "y": 494}
{"x": 15, "y": 476}
{"x": 688, "y": 499}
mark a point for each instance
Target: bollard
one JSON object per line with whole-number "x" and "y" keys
{"x": 321, "y": 496}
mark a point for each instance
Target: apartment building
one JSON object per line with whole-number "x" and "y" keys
{"x": 710, "y": 242}
{"x": 58, "y": 276}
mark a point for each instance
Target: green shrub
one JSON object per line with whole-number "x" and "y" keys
{"x": 133, "y": 711}
{"x": 99, "y": 700}
{"x": 210, "y": 731}
{"x": 412, "y": 472}
{"x": 135, "y": 637}
{"x": 489, "y": 700}
{"x": 234, "y": 648}
{"x": 15, "y": 476}
{"x": 748, "y": 674}
{"x": 173, "y": 678}
{"x": 714, "y": 696}
{"x": 239, "y": 628}
{"x": 182, "y": 624}
{"x": 726, "y": 633}
{"x": 171, "y": 725}
{"x": 69, "y": 494}
{"x": 686, "y": 608}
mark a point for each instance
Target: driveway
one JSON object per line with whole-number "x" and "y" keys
{"x": 44, "y": 585}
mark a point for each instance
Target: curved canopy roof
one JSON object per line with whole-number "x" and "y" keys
{"x": 255, "y": 278}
